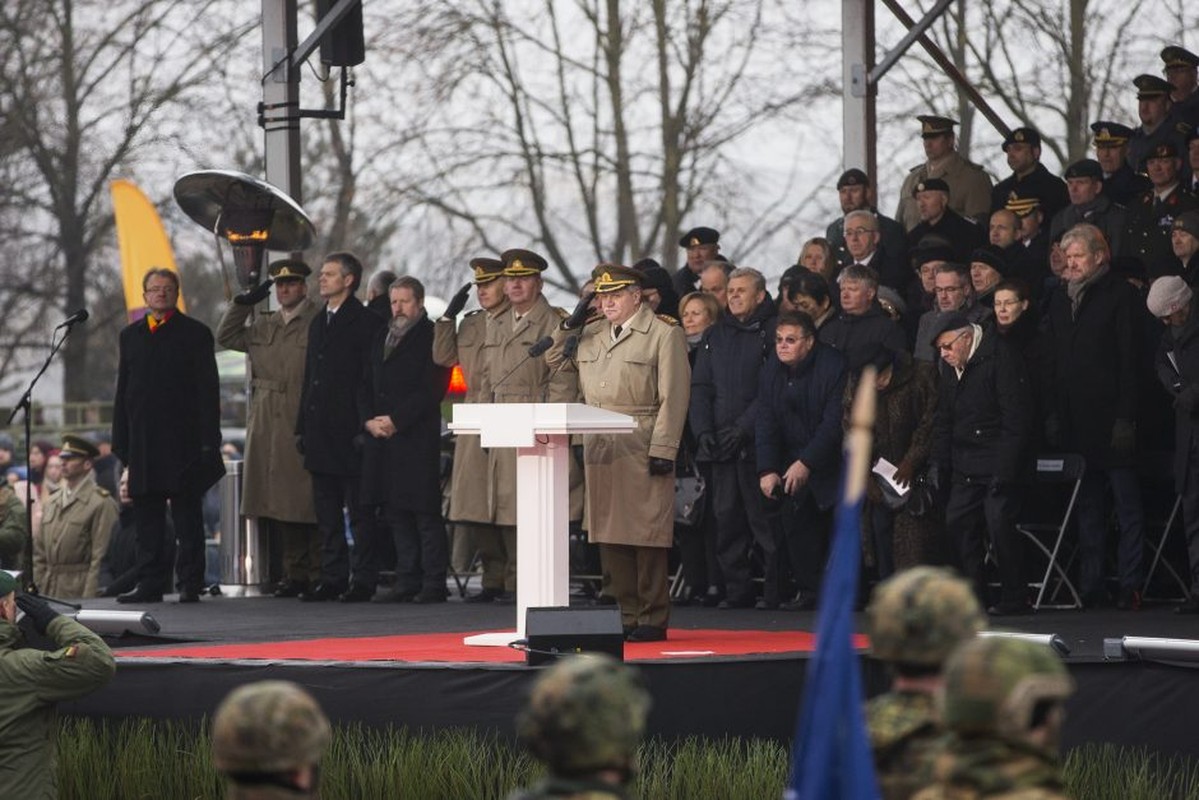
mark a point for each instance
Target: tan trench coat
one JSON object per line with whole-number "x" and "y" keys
{"x": 969, "y": 189}
{"x": 72, "y": 540}
{"x": 644, "y": 374}
{"x": 529, "y": 381}
{"x": 274, "y": 482}
{"x": 464, "y": 346}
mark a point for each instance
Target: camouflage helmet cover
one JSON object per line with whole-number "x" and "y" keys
{"x": 921, "y": 614}
{"x": 268, "y": 726}
{"x": 993, "y": 684}
{"x": 585, "y": 714}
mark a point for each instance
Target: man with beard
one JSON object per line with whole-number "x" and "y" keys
{"x": 1029, "y": 177}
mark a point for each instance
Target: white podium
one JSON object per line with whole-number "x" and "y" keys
{"x": 540, "y": 432}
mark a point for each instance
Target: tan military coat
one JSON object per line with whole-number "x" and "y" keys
{"x": 274, "y": 481}
{"x": 463, "y": 346}
{"x": 969, "y": 189}
{"x": 645, "y": 374}
{"x": 529, "y": 380}
{"x": 72, "y": 540}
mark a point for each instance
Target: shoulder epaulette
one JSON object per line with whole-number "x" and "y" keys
{"x": 472, "y": 313}
{"x": 667, "y": 319}
{"x": 103, "y": 492}
{"x": 561, "y": 312}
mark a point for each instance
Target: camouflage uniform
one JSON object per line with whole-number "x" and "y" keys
{"x": 905, "y": 737}
{"x": 971, "y": 768}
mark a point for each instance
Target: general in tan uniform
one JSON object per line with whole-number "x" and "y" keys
{"x": 511, "y": 376}
{"x": 462, "y": 345}
{"x": 969, "y": 184}
{"x": 77, "y": 521}
{"x": 275, "y": 486}
{"x": 635, "y": 363}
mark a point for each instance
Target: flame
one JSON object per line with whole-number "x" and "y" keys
{"x": 457, "y": 381}
{"x": 252, "y": 236}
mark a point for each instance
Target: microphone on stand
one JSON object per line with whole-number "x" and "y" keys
{"x": 79, "y": 316}
{"x": 536, "y": 349}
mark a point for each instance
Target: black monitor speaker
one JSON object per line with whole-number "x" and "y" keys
{"x": 558, "y": 631}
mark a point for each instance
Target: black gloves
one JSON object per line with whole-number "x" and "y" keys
{"x": 1124, "y": 438}
{"x": 255, "y": 295}
{"x": 578, "y": 317}
{"x": 37, "y": 610}
{"x": 705, "y": 447}
{"x": 729, "y": 443}
{"x": 458, "y": 302}
{"x": 661, "y": 466}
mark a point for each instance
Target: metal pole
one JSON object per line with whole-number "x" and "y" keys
{"x": 281, "y": 97}
{"x": 859, "y": 135}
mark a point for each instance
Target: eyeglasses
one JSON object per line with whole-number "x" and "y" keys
{"x": 949, "y": 345}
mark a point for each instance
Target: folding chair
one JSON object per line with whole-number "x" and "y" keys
{"x": 1157, "y": 470}
{"x": 1055, "y": 471}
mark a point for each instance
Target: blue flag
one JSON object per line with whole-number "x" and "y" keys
{"x": 831, "y": 758}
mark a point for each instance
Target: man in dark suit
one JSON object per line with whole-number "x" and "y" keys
{"x": 166, "y": 427}
{"x": 329, "y": 432}
{"x": 401, "y": 412}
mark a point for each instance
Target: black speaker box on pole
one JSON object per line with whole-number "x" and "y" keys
{"x": 558, "y": 631}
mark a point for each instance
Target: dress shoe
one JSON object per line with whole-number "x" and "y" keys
{"x": 425, "y": 596}
{"x": 140, "y": 594}
{"x": 320, "y": 593}
{"x": 803, "y": 601}
{"x": 188, "y": 596}
{"x": 485, "y": 596}
{"x": 647, "y": 633}
{"x": 357, "y": 593}
{"x": 505, "y": 599}
{"x": 289, "y": 588}
{"x": 1009, "y": 609}
{"x": 1129, "y": 600}
{"x": 736, "y": 602}
{"x": 1189, "y": 607}
{"x": 766, "y": 605}
{"x": 395, "y": 596}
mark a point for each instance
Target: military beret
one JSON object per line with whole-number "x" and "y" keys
{"x": 1187, "y": 222}
{"x": 1022, "y": 206}
{"x": 931, "y": 126}
{"x": 519, "y": 263}
{"x": 646, "y": 264}
{"x": 289, "y": 268}
{"x": 953, "y": 321}
{"x": 486, "y": 270}
{"x": 1022, "y": 136}
{"x": 698, "y": 236}
{"x": 1085, "y": 168}
{"x": 1110, "y": 134}
{"x": 74, "y": 446}
{"x": 1175, "y": 56}
{"x": 614, "y": 277}
{"x": 852, "y": 177}
{"x": 930, "y": 185}
{"x": 8, "y": 583}
{"x": 1163, "y": 150}
{"x": 1168, "y": 294}
{"x": 992, "y": 256}
{"x": 1151, "y": 86}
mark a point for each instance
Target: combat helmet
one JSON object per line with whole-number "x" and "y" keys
{"x": 268, "y": 727}
{"x": 585, "y": 714}
{"x": 994, "y": 684}
{"x": 920, "y": 615}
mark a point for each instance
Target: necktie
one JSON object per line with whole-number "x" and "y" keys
{"x": 328, "y": 318}
{"x": 616, "y": 332}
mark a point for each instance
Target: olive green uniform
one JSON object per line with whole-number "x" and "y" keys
{"x": 969, "y": 189}
{"x": 34, "y": 681}
{"x": 12, "y": 528}
{"x": 72, "y": 539}
{"x": 985, "y": 767}
{"x": 905, "y": 737}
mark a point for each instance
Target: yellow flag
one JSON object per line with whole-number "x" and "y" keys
{"x": 143, "y": 242}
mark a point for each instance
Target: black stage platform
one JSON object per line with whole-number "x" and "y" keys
{"x": 1149, "y": 704}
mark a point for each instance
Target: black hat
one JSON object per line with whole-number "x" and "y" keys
{"x": 1163, "y": 150}
{"x": 1085, "y": 168}
{"x": 289, "y": 269}
{"x": 697, "y": 236}
{"x": 74, "y": 446}
{"x": 1110, "y": 134}
{"x": 931, "y": 126}
{"x": 852, "y": 177}
{"x": 952, "y": 321}
{"x": 613, "y": 277}
{"x": 1022, "y": 136}
{"x": 646, "y": 264}
{"x": 486, "y": 269}
{"x": 992, "y": 256}
{"x": 1151, "y": 86}
{"x": 932, "y": 248}
{"x": 1175, "y": 56}
{"x": 930, "y": 185}
{"x": 519, "y": 263}
{"x": 1187, "y": 222}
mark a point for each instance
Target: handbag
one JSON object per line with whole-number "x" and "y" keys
{"x": 690, "y": 498}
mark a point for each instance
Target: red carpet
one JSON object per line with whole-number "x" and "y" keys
{"x": 449, "y": 647}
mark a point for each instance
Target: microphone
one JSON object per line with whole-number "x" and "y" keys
{"x": 571, "y": 347}
{"x": 79, "y": 316}
{"x": 535, "y": 350}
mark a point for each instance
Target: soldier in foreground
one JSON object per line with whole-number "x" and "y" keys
{"x": 268, "y": 739}
{"x": 585, "y": 720}
{"x": 916, "y": 618}
{"x": 1003, "y": 705}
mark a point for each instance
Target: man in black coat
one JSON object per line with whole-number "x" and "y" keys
{"x": 1094, "y": 331}
{"x": 1151, "y": 216}
{"x": 861, "y": 324}
{"x": 1121, "y": 183}
{"x": 401, "y": 412}
{"x": 890, "y": 239}
{"x": 702, "y": 245}
{"x": 1184, "y": 240}
{"x": 166, "y": 427}
{"x": 938, "y": 219}
{"x": 723, "y": 417}
{"x": 1029, "y": 177}
{"x": 981, "y": 443}
{"x": 329, "y": 431}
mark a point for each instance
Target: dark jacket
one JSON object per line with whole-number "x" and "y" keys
{"x": 1091, "y": 378}
{"x": 1102, "y": 212}
{"x": 983, "y": 428}
{"x": 799, "y": 419}
{"x": 856, "y": 335}
{"x": 724, "y": 380}
{"x": 1040, "y": 183}
{"x": 1147, "y": 235}
{"x": 404, "y": 470}
{"x": 1025, "y": 336}
{"x": 963, "y": 235}
{"x": 334, "y": 366}
{"x": 166, "y": 423}
{"x": 891, "y": 264}
{"x": 1125, "y": 185}
{"x": 903, "y": 423}
{"x": 1177, "y": 365}
{"x": 685, "y": 281}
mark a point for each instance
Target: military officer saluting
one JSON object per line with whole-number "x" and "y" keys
{"x": 76, "y": 523}
{"x": 969, "y": 185}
